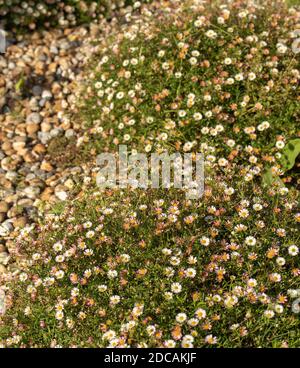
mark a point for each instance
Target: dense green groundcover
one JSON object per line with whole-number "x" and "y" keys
{"x": 149, "y": 268}
{"x": 152, "y": 269}
{"x": 18, "y": 14}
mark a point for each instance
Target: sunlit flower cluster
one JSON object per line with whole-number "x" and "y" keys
{"x": 148, "y": 279}
{"x": 150, "y": 268}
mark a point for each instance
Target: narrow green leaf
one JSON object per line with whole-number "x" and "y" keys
{"x": 290, "y": 153}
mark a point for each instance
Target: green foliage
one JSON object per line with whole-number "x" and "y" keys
{"x": 151, "y": 268}
{"x": 268, "y": 179}
{"x": 290, "y": 153}
{"x": 287, "y": 160}
{"x": 121, "y": 268}
{"x": 20, "y": 84}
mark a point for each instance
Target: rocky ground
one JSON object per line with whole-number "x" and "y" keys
{"x": 38, "y": 75}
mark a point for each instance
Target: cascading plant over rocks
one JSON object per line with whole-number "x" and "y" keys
{"x": 149, "y": 268}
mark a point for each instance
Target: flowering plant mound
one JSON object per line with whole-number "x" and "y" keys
{"x": 148, "y": 267}
{"x": 210, "y": 79}
{"x": 32, "y": 14}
